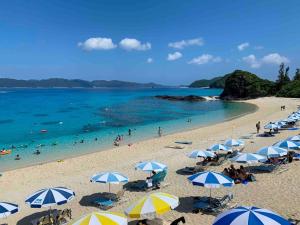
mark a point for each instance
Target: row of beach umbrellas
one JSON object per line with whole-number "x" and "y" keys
{"x": 158, "y": 203}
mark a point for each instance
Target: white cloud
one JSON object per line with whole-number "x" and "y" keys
{"x": 174, "y": 56}
{"x": 273, "y": 58}
{"x": 97, "y": 43}
{"x": 243, "y": 46}
{"x": 149, "y": 60}
{"x": 185, "y": 43}
{"x": 134, "y": 44}
{"x": 205, "y": 58}
{"x": 252, "y": 61}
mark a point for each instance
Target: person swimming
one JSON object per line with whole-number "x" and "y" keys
{"x": 37, "y": 152}
{"x": 17, "y": 157}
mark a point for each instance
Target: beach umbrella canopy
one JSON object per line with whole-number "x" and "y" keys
{"x": 200, "y": 153}
{"x": 109, "y": 177}
{"x": 272, "y": 151}
{"x": 249, "y": 158}
{"x": 271, "y": 126}
{"x": 102, "y": 218}
{"x": 150, "y": 166}
{"x": 152, "y": 205}
{"x": 234, "y": 143}
{"x": 218, "y": 147}
{"x": 7, "y": 209}
{"x": 210, "y": 179}
{"x": 49, "y": 197}
{"x": 250, "y": 216}
{"x": 295, "y": 138}
{"x": 287, "y": 144}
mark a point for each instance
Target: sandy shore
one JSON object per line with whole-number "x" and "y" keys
{"x": 277, "y": 191}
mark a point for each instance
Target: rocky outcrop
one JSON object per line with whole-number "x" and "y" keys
{"x": 188, "y": 98}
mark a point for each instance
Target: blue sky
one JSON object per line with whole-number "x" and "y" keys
{"x": 169, "y": 42}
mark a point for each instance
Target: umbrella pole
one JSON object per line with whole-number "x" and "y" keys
{"x": 210, "y": 196}
{"x": 109, "y": 187}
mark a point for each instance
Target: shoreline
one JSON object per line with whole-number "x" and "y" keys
{"x": 105, "y": 149}
{"x": 266, "y": 192}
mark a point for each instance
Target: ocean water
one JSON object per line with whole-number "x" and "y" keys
{"x": 72, "y": 115}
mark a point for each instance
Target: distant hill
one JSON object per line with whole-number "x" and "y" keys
{"x": 245, "y": 85}
{"x": 74, "y": 83}
{"x": 217, "y": 82}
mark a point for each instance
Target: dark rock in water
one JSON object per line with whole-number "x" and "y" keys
{"x": 40, "y": 115}
{"x": 188, "y": 98}
{"x": 6, "y": 121}
{"x": 50, "y": 122}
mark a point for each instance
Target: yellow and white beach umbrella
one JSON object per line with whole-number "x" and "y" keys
{"x": 102, "y": 218}
{"x": 152, "y": 205}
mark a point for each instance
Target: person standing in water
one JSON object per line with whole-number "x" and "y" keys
{"x": 129, "y": 132}
{"x": 258, "y": 126}
{"x": 159, "y": 132}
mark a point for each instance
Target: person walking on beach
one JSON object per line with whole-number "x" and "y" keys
{"x": 258, "y": 126}
{"x": 159, "y": 132}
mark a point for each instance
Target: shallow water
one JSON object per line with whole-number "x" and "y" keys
{"x": 72, "y": 115}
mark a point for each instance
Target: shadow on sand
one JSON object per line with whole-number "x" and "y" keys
{"x": 26, "y": 220}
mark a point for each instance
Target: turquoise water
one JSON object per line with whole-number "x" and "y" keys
{"x": 72, "y": 115}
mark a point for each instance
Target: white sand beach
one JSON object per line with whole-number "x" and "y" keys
{"x": 278, "y": 191}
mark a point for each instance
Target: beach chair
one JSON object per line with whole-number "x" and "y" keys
{"x": 247, "y": 136}
{"x": 212, "y": 206}
{"x": 193, "y": 170}
{"x": 264, "y": 168}
{"x": 104, "y": 203}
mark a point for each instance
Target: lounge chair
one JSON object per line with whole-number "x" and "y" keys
{"x": 212, "y": 206}
{"x": 62, "y": 216}
{"x": 155, "y": 182}
{"x": 193, "y": 170}
{"x": 263, "y": 168}
{"x": 247, "y": 136}
{"x": 104, "y": 203}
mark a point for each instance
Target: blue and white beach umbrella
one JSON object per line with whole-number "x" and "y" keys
{"x": 234, "y": 143}
{"x": 210, "y": 179}
{"x": 49, "y": 197}
{"x": 295, "y": 138}
{"x": 287, "y": 144}
{"x": 272, "y": 151}
{"x": 249, "y": 158}
{"x": 201, "y": 153}
{"x": 218, "y": 147}
{"x": 150, "y": 166}
{"x": 250, "y": 216}
{"x": 7, "y": 209}
{"x": 271, "y": 126}
{"x": 109, "y": 177}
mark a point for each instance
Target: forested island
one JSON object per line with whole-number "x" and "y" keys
{"x": 245, "y": 85}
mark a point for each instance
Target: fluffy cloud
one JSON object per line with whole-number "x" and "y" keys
{"x": 243, "y": 46}
{"x": 204, "y": 59}
{"x": 97, "y": 43}
{"x": 273, "y": 58}
{"x": 174, "y": 56}
{"x": 252, "y": 61}
{"x": 149, "y": 60}
{"x": 185, "y": 43}
{"x": 134, "y": 44}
